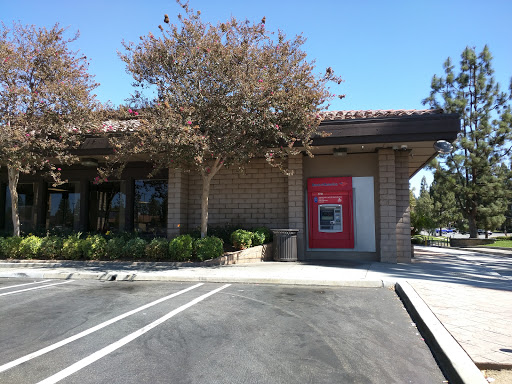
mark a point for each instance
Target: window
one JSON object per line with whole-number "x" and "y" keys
{"x": 150, "y": 206}
{"x": 63, "y": 207}
{"x": 107, "y": 207}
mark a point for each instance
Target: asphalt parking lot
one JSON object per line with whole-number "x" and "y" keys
{"x": 87, "y": 331}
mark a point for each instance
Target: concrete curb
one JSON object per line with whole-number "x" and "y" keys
{"x": 455, "y": 362}
{"x": 128, "y": 276}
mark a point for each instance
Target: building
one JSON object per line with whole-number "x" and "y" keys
{"x": 350, "y": 201}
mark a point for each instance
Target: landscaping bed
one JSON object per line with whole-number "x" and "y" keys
{"x": 129, "y": 247}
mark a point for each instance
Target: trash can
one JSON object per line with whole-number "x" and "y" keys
{"x": 284, "y": 247}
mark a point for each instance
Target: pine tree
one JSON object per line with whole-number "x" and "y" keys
{"x": 422, "y": 217}
{"x": 444, "y": 207}
{"x": 472, "y": 170}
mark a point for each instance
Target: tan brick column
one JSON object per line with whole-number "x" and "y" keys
{"x": 403, "y": 215}
{"x": 387, "y": 206}
{"x": 177, "y": 203}
{"x": 296, "y": 202}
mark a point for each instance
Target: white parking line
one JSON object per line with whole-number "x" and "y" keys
{"x": 125, "y": 340}
{"x": 21, "y": 285}
{"x": 31, "y": 289}
{"x": 61, "y": 343}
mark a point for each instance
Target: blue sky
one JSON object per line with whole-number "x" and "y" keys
{"x": 386, "y": 51}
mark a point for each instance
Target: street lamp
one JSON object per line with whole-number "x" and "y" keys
{"x": 443, "y": 146}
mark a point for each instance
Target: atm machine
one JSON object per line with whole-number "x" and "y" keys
{"x": 330, "y": 217}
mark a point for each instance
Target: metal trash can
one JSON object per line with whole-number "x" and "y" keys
{"x": 284, "y": 246}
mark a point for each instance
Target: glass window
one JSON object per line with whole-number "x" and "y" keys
{"x": 150, "y": 211}
{"x": 107, "y": 207}
{"x": 26, "y": 208}
{"x": 64, "y": 207}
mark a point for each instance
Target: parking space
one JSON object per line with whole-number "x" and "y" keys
{"x": 135, "y": 332}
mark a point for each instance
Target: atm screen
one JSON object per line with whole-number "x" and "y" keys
{"x": 330, "y": 218}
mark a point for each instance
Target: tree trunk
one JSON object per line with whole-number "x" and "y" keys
{"x": 473, "y": 230}
{"x": 14, "y": 177}
{"x": 204, "y": 205}
{"x": 207, "y": 176}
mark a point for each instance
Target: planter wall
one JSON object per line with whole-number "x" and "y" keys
{"x": 256, "y": 254}
{"x": 465, "y": 243}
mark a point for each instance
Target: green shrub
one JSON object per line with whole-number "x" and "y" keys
{"x": 180, "y": 248}
{"x": 258, "y": 238}
{"x": 94, "y": 247}
{"x": 241, "y": 239}
{"x": 267, "y": 233}
{"x": 208, "y": 248}
{"x": 223, "y": 232}
{"x": 114, "y": 249}
{"x": 29, "y": 247}
{"x": 503, "y": 238}
{"x": 135, "y": 249}
{"x": 72, "y": 247}
{"x": 51, "y": 248}
{"x": 157, "y": 249}
{"x": 10, "y": 247}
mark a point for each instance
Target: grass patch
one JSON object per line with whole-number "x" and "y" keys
{"x": 499, "y": 244}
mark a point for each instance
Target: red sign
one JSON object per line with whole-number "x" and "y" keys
{"x": 330, "y": 223}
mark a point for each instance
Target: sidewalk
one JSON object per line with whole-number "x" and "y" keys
{"x": 473, "y": 301}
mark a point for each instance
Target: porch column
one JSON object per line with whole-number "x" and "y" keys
{"x": 296, "y": 202}
{"x": 177, "y": 203}
{"x": 387, "y": 206}
{"x": 403, "y": 213}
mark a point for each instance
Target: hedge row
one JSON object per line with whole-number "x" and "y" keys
{"x": 127, "y": 247}
{"x": 97, "y": 247}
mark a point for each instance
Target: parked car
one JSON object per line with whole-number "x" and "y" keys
{"x": 444, "y": 231}
{"x": 482, "y": 232}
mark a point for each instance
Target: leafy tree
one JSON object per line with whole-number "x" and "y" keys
{"x": 45, "y": 103}
{"x": 472, "y": 170}
{"x": 225, "y": 94}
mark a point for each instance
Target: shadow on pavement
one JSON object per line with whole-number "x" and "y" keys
{"x": 442, "y": 267}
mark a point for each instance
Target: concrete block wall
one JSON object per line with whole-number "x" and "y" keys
{"x": 177, "y": 203}
{"x": 394, "y": 226}
{"x": 296, "y": 218}
{"x": 403, "y": 213}
{"x": 387, "y": 206}
{"x": 257, "y": 197}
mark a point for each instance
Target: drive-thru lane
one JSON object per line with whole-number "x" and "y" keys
{"x": 134, "y": 332}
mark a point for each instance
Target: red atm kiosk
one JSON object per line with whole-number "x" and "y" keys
{"x": 331, "y": 223}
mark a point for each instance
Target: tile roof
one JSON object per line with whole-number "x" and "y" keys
{"x": 370, "y": 114}
{"x": 120, "y": 125}
{"x": 131, "y": 125}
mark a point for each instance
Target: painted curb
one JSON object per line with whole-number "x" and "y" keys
{"x": 454, "y": 361}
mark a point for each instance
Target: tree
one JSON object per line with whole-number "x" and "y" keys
{"x": 225, "y": 94}
{"x": 472, "y": 170}
{"x": 422, "y": 217}
{"x": 444, "y": 206}
{"x": 45, "y": 103}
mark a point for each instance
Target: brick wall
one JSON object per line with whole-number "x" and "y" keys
{"x": 257, "y": 197}
{"x": 387, "y": 206}
{"x": 394, "y": 226}
{"x": 296, "y": 201}
{"x": 403, "y": 215}
{"x": 177, "y": 203}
